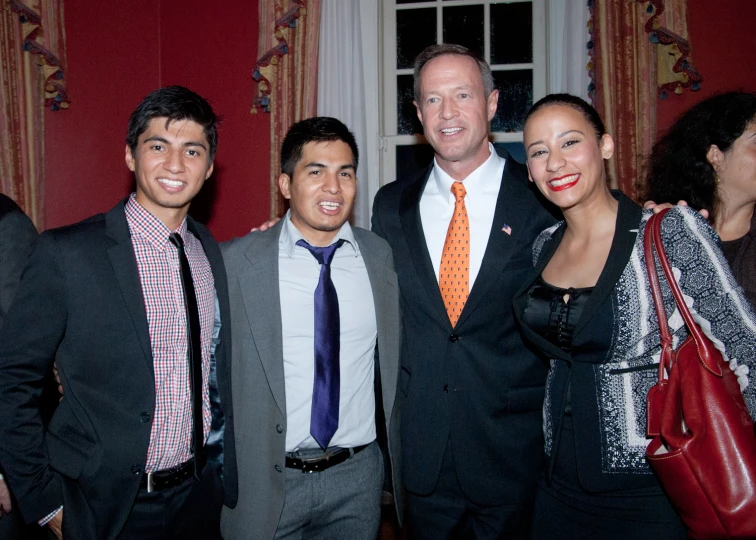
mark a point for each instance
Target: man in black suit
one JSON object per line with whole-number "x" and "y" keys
{"x": 17, "y": 237}
{"x": 473, "y": 392}
{"x": 124, "y": 303}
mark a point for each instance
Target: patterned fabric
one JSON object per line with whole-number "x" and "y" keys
{"x": 159, "y": 272}
{"x": 454, "y": 273}
{"x": 628, "y": 370}
{"x": 28, "y": 27}
{"x": 287, "y": 74}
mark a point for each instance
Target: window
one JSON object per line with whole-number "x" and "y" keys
{"x": 509, "y": 34}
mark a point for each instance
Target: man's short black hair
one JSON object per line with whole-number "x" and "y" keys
{"x": 174, "y": 103}
{"x": 316, "y": 129}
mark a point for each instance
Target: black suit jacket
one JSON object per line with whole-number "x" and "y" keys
{"x": 80, "y": 304}
{"x": 476, "y": 384}
{"x": 17, "y": 238}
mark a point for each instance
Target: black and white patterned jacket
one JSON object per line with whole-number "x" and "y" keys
{"x": 608, "y": 384}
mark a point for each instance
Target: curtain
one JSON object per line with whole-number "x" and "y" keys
{"x": 640, "y": 52}
{"x": 286, "y": 74}
{"x": 348, "y": 91}
{"x": 568, "y": 47}
{"x": 32, "y": 58}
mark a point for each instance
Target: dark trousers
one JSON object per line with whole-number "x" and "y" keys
{"x": 447, "y": 513}
{"x": 189, "y": 510}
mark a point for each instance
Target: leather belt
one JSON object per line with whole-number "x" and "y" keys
{"x": 168, "y": 478}
{"x": 321, "y": 463}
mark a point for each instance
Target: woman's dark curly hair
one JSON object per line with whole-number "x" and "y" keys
{"x": 678, "y": 168}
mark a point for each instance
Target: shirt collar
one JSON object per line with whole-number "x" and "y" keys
{"x": 290, "y": 235}
{"x": 474, "y": 181}
{"x": 141, "y": 222}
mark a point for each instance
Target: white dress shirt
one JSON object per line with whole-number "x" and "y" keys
{"x": 437, "y": 208}
{"x": 299, "y": 273}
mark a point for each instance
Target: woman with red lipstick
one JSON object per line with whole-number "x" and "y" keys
{"x": 588, "y": 308}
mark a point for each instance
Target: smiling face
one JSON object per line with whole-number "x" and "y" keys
{"x": 170, "y": 165}
{"x": 321, "y": 191}
{"x": 565, "y": 159}
{"x": 455, "y": 113}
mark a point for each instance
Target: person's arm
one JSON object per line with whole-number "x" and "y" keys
{"x": 29, "y": 339}
{"x": 17, "y": 237}
{"x": 719, "y": 305}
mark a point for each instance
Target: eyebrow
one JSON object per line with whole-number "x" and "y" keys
{"x": 158, "y": 138}
{"x": 315, "y": 164}
{"x": 558, "y": 136}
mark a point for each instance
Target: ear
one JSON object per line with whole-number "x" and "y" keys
{"x": 715, "y": 157}
{"x": 530, "y": 176}
{"x": 130, "y": 159}
{"x": 492, "y": 104}
{"x": 284, "y": 183}
{"x": 210, "y": 170}
{"x": 607, "y": 146}
{"x": 419, "y": 111}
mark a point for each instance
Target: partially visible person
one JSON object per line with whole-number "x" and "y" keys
{"x": 315, "y": 389}
{"x": 587, "y": 306}
{"x": 123, "y": 304}
{"x": 17, "y": 238}
{"x": 708, "y": 158}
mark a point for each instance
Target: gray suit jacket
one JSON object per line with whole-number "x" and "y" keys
{"x": 258, "y": 386}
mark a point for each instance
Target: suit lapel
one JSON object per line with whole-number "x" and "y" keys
{"x": 258, "y": 282}
{"x": 412, "y": 227}
{"x": 625, "y": 234}
{"x": 123, "y": 260}
{"x": 509, "y": 212}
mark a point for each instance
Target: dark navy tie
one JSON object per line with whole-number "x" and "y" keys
{"x": 194, "y": 348}
{"x": 324, "y": 419}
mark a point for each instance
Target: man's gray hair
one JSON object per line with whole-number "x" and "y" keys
{"x": 434, "y": 51}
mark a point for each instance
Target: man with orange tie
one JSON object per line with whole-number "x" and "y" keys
{"x": 461, "y": 234}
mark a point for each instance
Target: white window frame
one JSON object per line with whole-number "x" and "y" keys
{"x": 389, "y": 139}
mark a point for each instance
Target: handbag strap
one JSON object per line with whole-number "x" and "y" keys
{"x": 652, "y": 239}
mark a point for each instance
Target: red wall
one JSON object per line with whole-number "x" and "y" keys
{"x": 724, "y": 50}
{"x": 119, "y": 51}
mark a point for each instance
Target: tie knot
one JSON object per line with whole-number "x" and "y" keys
{"x": 176, "y": 240}
{"x": 323, "y": 255}
{"x": 458, "y": 188}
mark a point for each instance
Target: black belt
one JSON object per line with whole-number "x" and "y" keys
{"x": 321, "y": 463}
{"x": 168, "y": 478}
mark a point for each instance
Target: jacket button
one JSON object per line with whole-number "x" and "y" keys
{"x": 136, "y": 469}
{"x": 278, "y": 468}
{"x": 454, "y": 338}
{"x": 144, "y": 417}
{"x": 279, "y": 428}
{"x": 446, "y": 389}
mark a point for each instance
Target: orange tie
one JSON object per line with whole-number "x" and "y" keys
{"x": 454, "y": 274}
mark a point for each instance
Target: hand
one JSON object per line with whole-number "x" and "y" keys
{"x": 5, "y": 500}
{"x": 265, "y": 226}
{"x": 651, "y": 205}
{"x": 56, "y": 525}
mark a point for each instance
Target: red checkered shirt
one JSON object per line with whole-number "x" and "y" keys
{"x": 160, "y": 274}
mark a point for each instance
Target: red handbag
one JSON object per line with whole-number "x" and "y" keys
{"x": 704, "y": 447}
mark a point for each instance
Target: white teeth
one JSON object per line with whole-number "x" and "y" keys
{"x": 563, "y": 181}
{"x": 330, "y": 205}
{"x": 170, "y": 183}
{"x": 451, "y": 131}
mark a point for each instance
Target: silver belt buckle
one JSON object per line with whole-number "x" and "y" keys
{"x": 149, "y": 482}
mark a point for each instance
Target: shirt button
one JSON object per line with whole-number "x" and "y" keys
{"x": 278, "y": 468}
{"x": 136, "y": 469}
{"x": 279, "y": 428}
{"x": 454, "y": 338}
{"x": 144, "y": 417}
{"x": 446, "y": 389}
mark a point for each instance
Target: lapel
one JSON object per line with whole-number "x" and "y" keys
{"x": 499, "y": 249}
{"x": 625, "y": 234}
{"x": 384, "y": 285}
{"x": 412, "y": 227}
{"x": 124, "y": 264}
{"x": 521, "y": 299}
{"x": 258, "y": 282}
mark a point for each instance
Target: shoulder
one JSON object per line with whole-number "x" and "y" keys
{"x": 682, "y": 222}
{"x": 370, "y": 240}
{"x": 392, "y": 191}
{"x": 257, "y": 241}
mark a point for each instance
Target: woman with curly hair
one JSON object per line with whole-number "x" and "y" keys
{"x": 708, "y": 158}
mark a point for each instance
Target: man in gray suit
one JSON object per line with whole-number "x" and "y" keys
{"x": 313, "y": 302}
